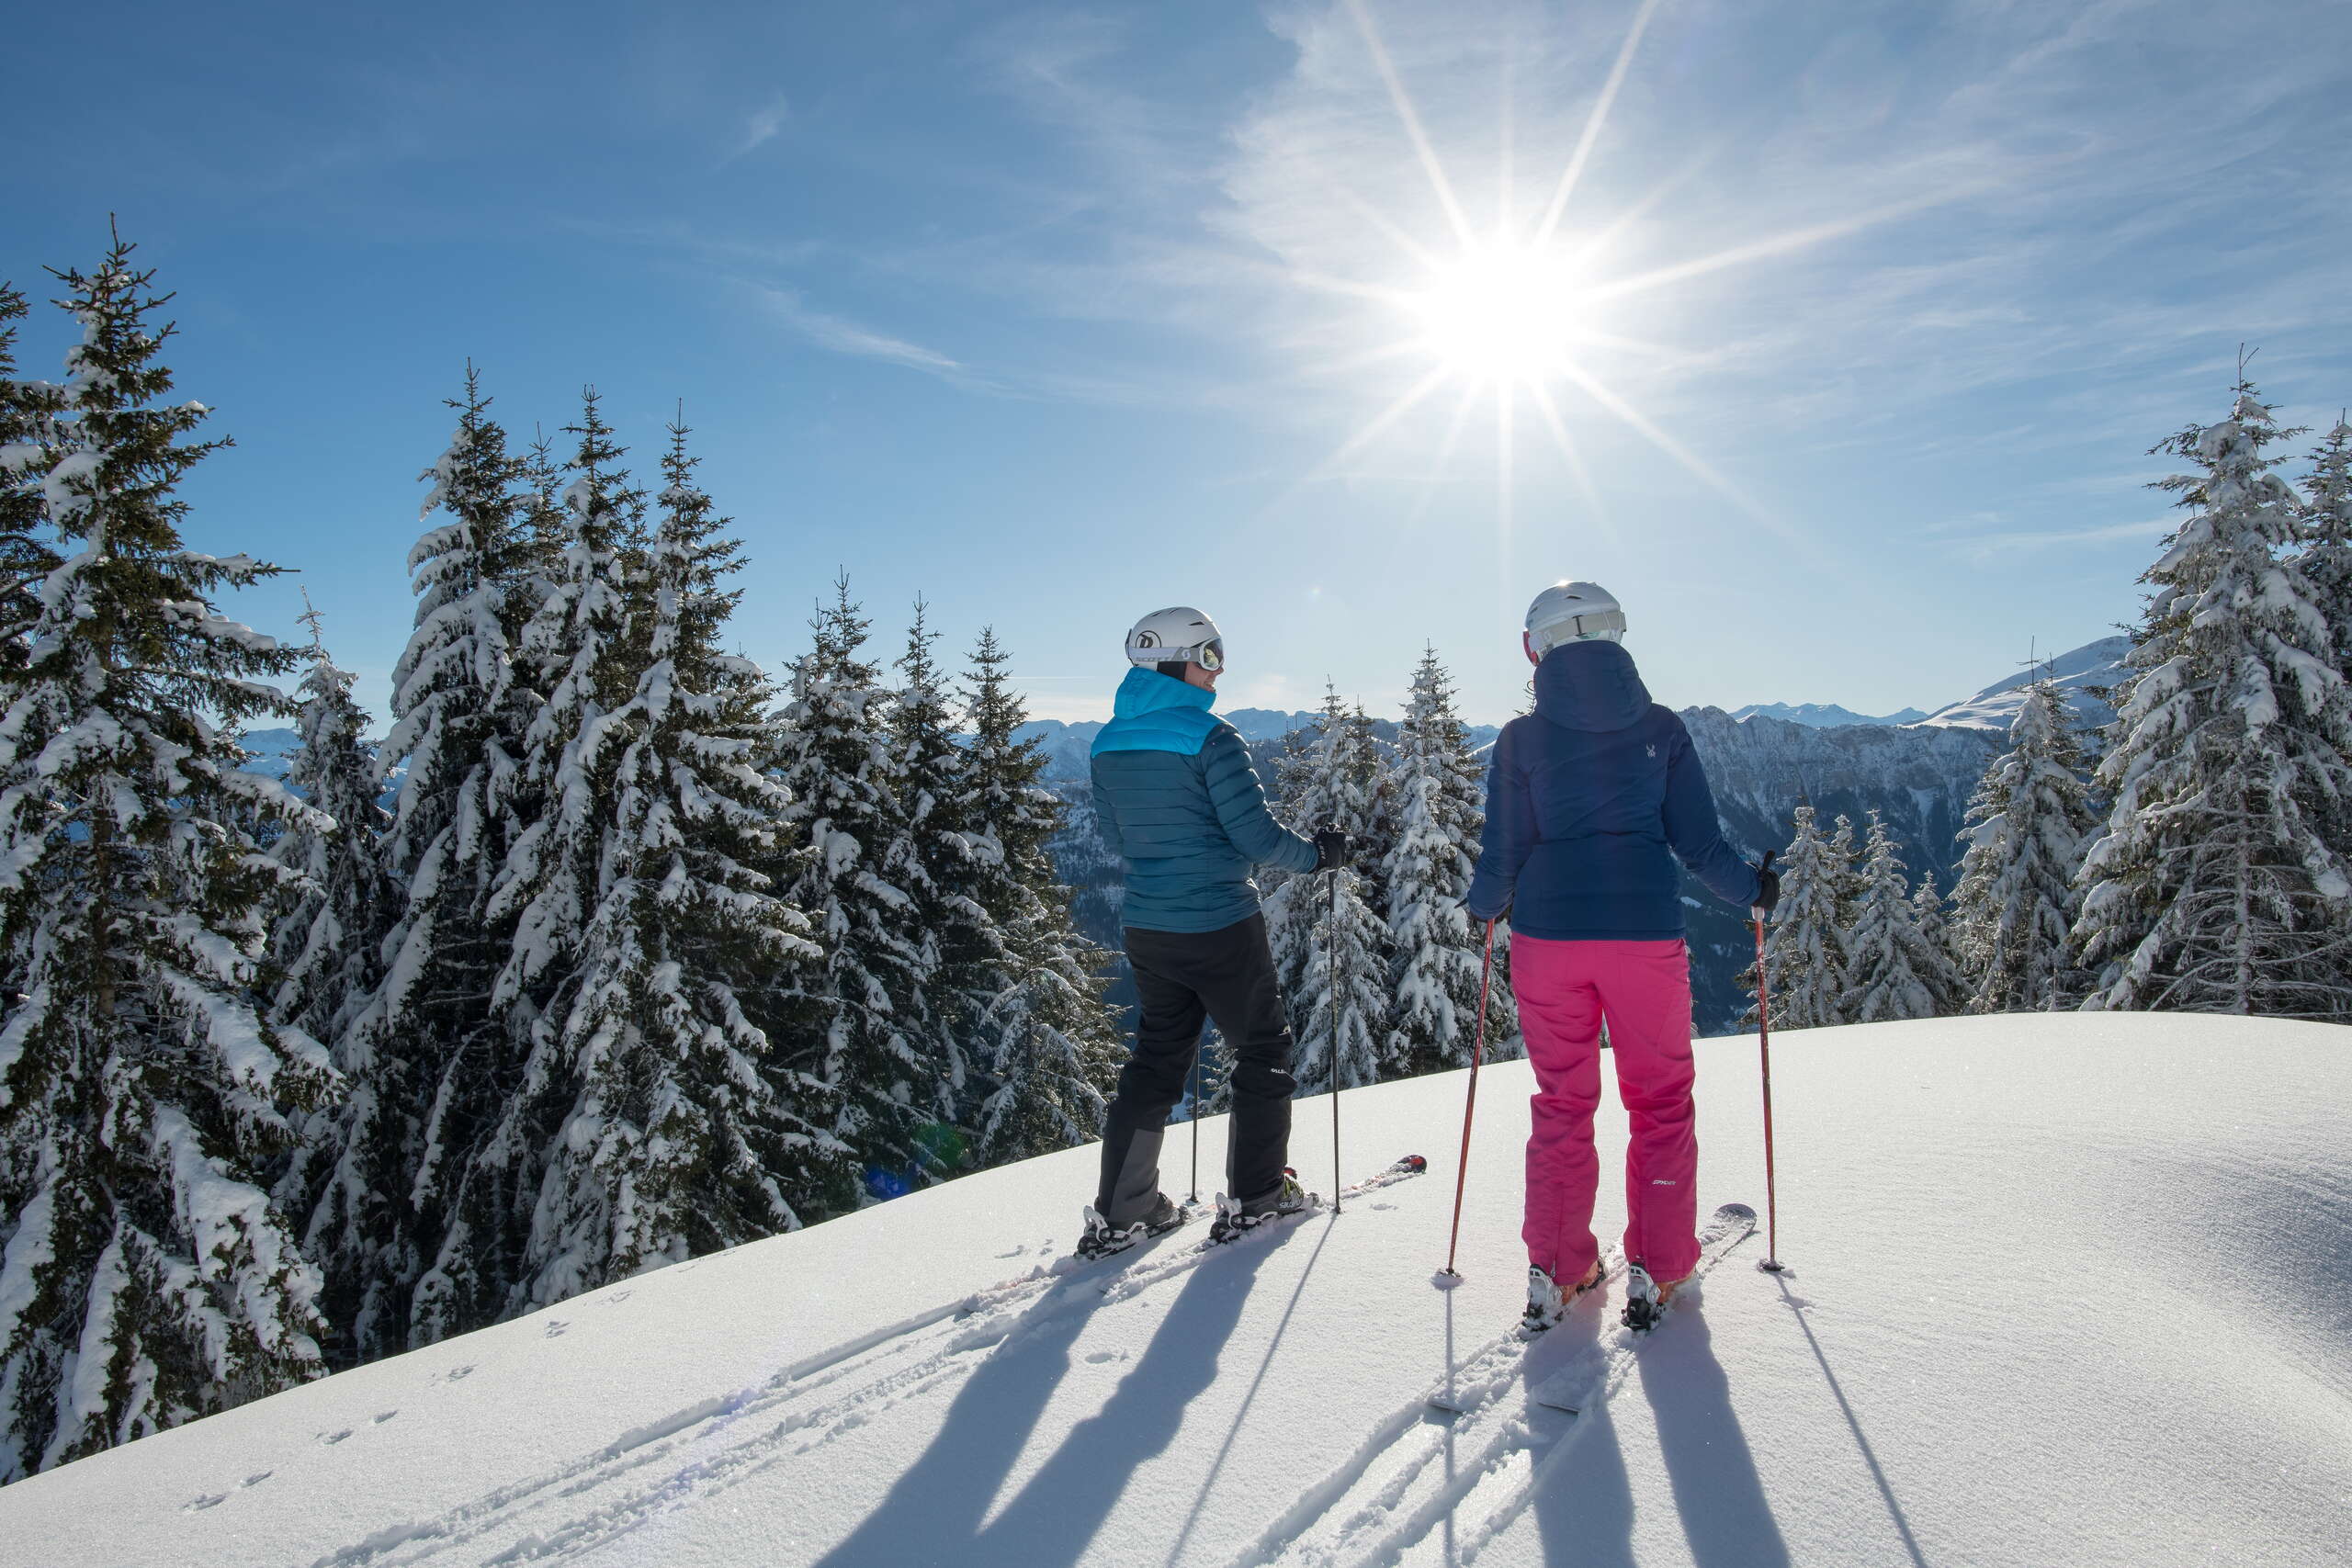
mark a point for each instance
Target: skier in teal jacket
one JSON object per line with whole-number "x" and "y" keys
{"x": 1178, "y": 802}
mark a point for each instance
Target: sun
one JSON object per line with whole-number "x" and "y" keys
{"x": 1500, "y": 312}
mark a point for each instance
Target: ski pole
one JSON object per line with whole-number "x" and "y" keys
{"x": 1196, "y": 1195}
{"x": 1331, "y": 982}
{"x": 1478, "y": 1050}
{"x": 1771, "y": 1263}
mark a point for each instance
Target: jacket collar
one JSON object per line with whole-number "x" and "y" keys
{"x": 1147, "y": 690}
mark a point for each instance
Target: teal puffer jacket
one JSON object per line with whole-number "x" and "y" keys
{"x": 1179, "y": 803}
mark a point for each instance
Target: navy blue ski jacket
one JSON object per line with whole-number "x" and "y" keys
{"x": 1178, "y": 800}
{"x": 1590, "y": 800}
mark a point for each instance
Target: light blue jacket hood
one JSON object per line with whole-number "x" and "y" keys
{"x": 1156, "y": 713}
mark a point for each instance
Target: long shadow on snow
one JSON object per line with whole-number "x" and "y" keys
{"x": 1584, "y": 1505}
{"x": 1861, "y": 1440}
{"x": 1584, "y": 1500}
{"x": 933, "y": 1513}
{"x": 1717, "y": 1494}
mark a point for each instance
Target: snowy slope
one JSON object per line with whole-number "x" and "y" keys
{"x": 2067, "y": 1291}
{"x": 1996, "y": 707}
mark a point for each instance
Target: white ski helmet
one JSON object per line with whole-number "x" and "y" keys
{"x": 1572, "y": 612}
{"x": 1181, "y": 634}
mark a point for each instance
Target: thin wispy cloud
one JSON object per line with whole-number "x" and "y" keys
{"x": 839, "y": 335}
{"x": 1987, "y": 547}
{"x": 764, "y": 123}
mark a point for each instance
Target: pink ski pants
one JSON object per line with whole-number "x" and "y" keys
{"x": 1643, "y": 989}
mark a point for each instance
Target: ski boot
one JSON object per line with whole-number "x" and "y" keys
{"x": 1234, "y": 1218}
{"x": 1546, "y": 1303}
{"x": 1100, "y": 1238}
{"x": 1645, "y": 1298}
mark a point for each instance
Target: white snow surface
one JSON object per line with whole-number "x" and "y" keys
{"x": 2067, "y": 1289}
{"x": 1996, "y": 707}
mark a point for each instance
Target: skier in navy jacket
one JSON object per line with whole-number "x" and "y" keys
{"x": 1590, "y": 802}
{"x": 1178, "y": 801}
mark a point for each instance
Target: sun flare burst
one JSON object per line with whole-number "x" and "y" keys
{"x": 1524, "y": 315}
{"x": 1500, "y": 312}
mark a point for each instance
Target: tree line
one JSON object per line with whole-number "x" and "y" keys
{"x": 615, "y": 950}
{"x": 2193, "y": 855}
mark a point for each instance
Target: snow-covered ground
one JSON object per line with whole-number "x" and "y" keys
{"x": 2095, "y": 664}
{"x": 2066, "y": 1290}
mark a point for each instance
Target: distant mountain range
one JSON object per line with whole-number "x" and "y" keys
{"x": 1824, "y": 715}
{"x": 2080, "y": 673}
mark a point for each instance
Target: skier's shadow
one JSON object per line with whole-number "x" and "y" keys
{"x": 1584, "y": 1503}
{"x": 1718, "y": 1496}
{"x": 934, "y": 1512}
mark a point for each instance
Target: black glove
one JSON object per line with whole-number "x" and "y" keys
{"x": 1767, "y": 888}
{"x": 1333, "y": 849}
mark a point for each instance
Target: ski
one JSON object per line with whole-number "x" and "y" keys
{"x": 1078, "y": 1262}
{"x": 1571, "y": 1389}
{"x": 1409, "y": 1165}
{"x": 1494, "y": 1366}
{"x": 1517, "y": 1354}
{"x": 1131, "y": 1280}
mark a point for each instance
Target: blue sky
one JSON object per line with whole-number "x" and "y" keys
{"x": 1858, "y": 318}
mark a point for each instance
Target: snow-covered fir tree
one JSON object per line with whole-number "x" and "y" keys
{"x": 868, "y": 999}
{"x": 1805, "y": 944}
{"x": 936, "y": 859}
{"x": 144, "y": 1097}
{"x": 1047, "y": 1048}
{"x": 28, "y": 446}
{"x": 1332, "y": 780}
{"x": 1940, "y": 963}
{"x": 659, "y": 1117}
{"x": 1335, "y": 968}
{"x": 327, "y": 933}
{"x": 2015, "y": 905}
{"x": 1341, "y": 1010}
{"x": 578, "y": 650}
{"x": 1436, "y": 792}
{"x": 326, "y": 942}
{"x": 2326, "y": 561}
{"x": 427, "y": 1058}
{"x": 1891, "y": 972}
{"x": 2326, "y": 566}
{"x": 2217, "y": 889}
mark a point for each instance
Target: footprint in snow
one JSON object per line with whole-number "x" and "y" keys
{"x": 257, "y": 1479}
{"x": 615, "y": 1299}
{"x": 555, "y": 1329}
{"x": 382, "y": 1418}
{"x": 457, "y": 1374}
{"x": 331, "y": 1438}
{"x": 1099, "y": 1356}
{"x": 1384, "y": 1205}
{"x": 210, "y": 1500}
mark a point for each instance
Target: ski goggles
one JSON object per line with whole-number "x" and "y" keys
{"x": 1210, "y": 655}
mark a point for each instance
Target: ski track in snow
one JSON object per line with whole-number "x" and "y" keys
{"x": 1384, "y": 1500}
{"x": 857, "y": 1380}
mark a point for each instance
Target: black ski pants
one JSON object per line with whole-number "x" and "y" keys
{"x": 1183, "y": 978}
